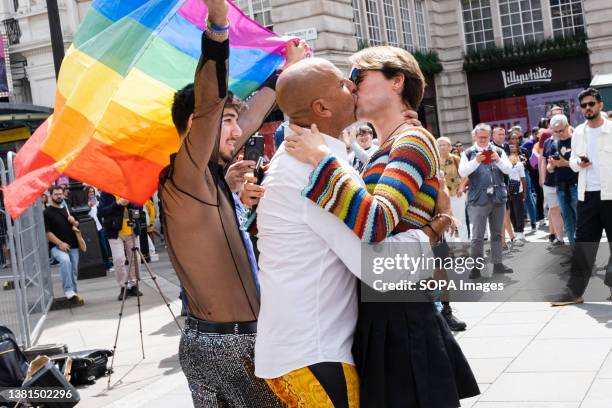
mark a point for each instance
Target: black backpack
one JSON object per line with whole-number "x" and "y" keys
{"x": 13, "y": 363}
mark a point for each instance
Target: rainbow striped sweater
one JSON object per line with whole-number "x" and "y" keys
{"x": 401, "y": 187}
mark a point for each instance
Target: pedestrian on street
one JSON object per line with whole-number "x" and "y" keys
{"x": 590, "y": 158}
{"x": 485, "y": 165}
{"x": 63, "y": 241}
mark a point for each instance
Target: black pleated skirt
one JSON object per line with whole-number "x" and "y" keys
{"x": 407, "y": 357}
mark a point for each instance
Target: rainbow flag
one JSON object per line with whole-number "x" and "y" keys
{"x": 112, "y": 126}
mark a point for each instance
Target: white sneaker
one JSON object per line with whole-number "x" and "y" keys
{"x": 521, "y": 237}
{"x": 542, "y": 224}
{"x": 557, "y": 242}
{"x": 70, "y": 294}
{"x": 516, "y": 242}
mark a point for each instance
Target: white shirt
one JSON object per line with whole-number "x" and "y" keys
{"x": 308, "y": 295}
{"x": 467, "y": 167}
{"x": 93, "y": 213}
{"x": 593, "y": 182}
{"x": 603, "y": 153}
{"x": 517, "y": 173}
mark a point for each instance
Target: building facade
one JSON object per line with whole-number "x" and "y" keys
{"x": 517, "y": 90}
{"x": 515, "y": 86}
{"x": 26, "y": 25}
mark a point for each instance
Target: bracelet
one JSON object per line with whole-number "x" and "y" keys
{"x": 216, "y": 35}
{"x": 214, "y": 27}
{"x": 441, "y": 215}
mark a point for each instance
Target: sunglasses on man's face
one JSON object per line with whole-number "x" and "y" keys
{"x": 589, "y": 104}
{"x": 356, "y": 75}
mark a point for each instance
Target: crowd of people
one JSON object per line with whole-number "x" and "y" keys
{"x": 269, "y": 266}
{"x": 115, "y": 235}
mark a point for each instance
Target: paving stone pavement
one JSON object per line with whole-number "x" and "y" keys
{"x": 524, "y": 355}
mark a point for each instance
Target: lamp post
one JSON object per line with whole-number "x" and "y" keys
{"x": 55, "y": 28}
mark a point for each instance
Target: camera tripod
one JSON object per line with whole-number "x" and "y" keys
{"x": 135, "y": 258}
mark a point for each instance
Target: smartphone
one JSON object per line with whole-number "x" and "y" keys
{"x": 254, "y": 148}
{"x": 251, "y": 215}
{"x": 258, "y": 172}
{"x": 487, "y": 154}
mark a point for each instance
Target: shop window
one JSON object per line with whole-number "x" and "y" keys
{"x": 518, "y": 15}
{"x": 477, "y": 24}
{"x": 566, "y": 17}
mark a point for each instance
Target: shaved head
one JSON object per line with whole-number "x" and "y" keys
{"x": 314, "y": 91}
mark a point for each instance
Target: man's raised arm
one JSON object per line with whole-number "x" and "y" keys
{"x": 261, "y": 104}
{"x": 210, "y": 91}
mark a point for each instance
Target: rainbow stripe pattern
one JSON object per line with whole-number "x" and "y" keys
{"x": 401, "y": 187}
{"x": 112, "y": 126}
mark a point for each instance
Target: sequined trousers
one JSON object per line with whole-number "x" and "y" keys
{"x": 220, "y": 371}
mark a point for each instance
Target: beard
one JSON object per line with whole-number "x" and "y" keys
{"x": 591, "y": 116}
{"x": 57, "y": 201}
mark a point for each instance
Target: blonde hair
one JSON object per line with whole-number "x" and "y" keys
{"x": 444, "y": 139}
{"x": 392, "y": 61}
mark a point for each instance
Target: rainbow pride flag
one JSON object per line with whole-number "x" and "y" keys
{"x": 112, "y": 126}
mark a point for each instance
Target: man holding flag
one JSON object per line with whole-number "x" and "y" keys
{"x": 203, "y": 236}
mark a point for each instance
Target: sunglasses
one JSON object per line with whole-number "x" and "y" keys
{"x": 356, "y": 75}
{"x": 589, "y": 104}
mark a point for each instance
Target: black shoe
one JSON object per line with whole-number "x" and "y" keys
{"x": 453, "y": 323}
{"x": 501, "y": 268}
{"x": 551, "y": 237}
{"x": 120, "y": 297}
{"x": 133, "y": 291}
{"x": 475, "y": 273}
{"x": 567, "y": 298}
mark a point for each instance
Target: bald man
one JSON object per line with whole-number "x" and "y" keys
{"x": 308, "y": 296}
{"x": 309, "y": 259}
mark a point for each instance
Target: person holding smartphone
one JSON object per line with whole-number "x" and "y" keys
{"x": 485, "y": 166}
{"x": 590, "y": 158}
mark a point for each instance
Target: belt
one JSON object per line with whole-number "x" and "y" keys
{"x": 204, "y": 326}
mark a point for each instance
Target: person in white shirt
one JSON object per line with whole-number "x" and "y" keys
{"x": 517, "y": 193}
{"x": 591, "y": 158}
{"x": 308, "y": 294}
{"x": 362, "y": 144}
{"x": 485, "y": 164}
{"x": 92, "y": 202}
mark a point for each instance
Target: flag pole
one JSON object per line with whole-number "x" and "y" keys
{"x": 57, "y": 41}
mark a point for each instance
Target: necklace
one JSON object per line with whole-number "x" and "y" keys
{"x": 394, "y": 130}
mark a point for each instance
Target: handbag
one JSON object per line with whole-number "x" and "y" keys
{"x": 13, "y": 363}
{"x": 80, "y": 240}
{"x": 87, "y": 366}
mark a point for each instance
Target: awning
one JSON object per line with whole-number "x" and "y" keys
{"x": 19, "y": 115}
{"x": 602, "y": 80}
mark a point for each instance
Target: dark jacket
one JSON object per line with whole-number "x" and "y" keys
{"x": 112, "y": 214}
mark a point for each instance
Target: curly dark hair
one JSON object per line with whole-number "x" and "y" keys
{"x": 184, "y": 105}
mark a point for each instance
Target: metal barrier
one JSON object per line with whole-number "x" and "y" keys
{"x": 27, "y": 284}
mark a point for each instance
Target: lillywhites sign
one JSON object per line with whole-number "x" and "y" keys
{"x": 533, "y": 76}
